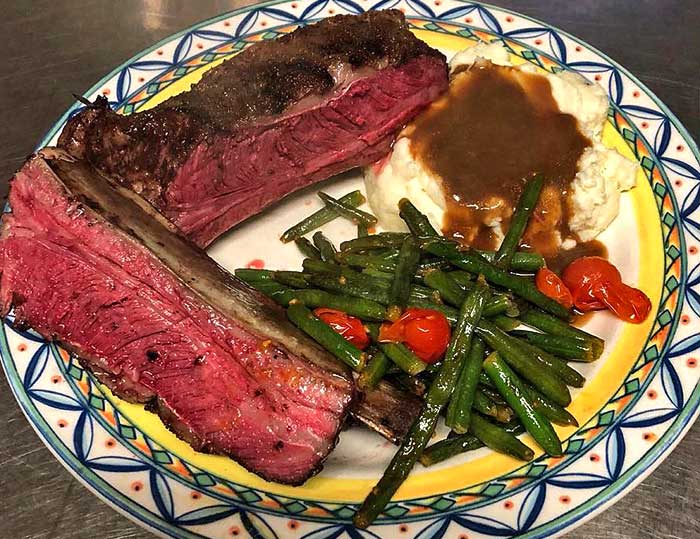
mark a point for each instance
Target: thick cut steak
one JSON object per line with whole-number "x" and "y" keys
{"x": 277, "y": 117}
{"x": 92, "y": 265}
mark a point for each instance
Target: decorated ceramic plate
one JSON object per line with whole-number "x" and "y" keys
{"x": 641, "y": 397}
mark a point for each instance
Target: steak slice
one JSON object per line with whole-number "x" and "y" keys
{"x": 90, "y": 264}
{"x": 277, "y": 117}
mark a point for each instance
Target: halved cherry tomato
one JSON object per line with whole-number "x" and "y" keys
{"x": 424, "y": 331}
{"x": 552, "y": 286}
{"x": 596, "y": 284}
{"x": 349, "y": 327}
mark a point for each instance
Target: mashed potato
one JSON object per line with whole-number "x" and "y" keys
{"x": 595, "y": 191}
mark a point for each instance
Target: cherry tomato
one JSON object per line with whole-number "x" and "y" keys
{"x": 596, "y": 284}
{"x": 349, "y": 327}
{"x": 424, "y": 331}
{"x": 552, "y": 286}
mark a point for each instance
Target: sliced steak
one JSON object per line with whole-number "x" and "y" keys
{"x": 90, "y": 264}
{"x": 277, "y": 117}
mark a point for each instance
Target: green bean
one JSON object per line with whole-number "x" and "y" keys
{"x": 324, "y": 335}
{"x": 435, "y": 399}
{"x": 553, "y": 412}
{"x": 406, "y": 266}
{"x": 374, "y": 371}
{"x": 417, "y": 222}
{"x": 485, "y": 405}
{"x": 494, "y": 307}
{"x": 307, "y": 248}
{"x": 513, "y": 391}
{"x": 403, "y": 358}
{"x": 295, "y": 279}
{"x": 367, "y": 261}
{"x": 378, "y": 274}
{"x": 375, "y": 241}
{"x": 524, "y": 363}
{"x": 321, "y": 217}
{"x": 433, "y": 263}
{"x": 348, "y": 211}
{"x": 362, "y": 230}
{"x": 489, "y": 390}
{"x": 461, "y": 443}
{"x": 416, "y": 385}
{"x": 459, "y": 409}
{"x": 250, "y": 274}
{"x": 270, "y": 288}
{"x": 448, "y": 448}
{"x": 565, "y": 347}
{"x": 476, "y": 264}
{"x": 522, "y": 261}
{"x": 523, "y": 210}
{"x": 311, "y": 265}
{"x": 448, "y": 288}
{"x": 549, "y": 324}
{"x": 325, "y": 247}
{"x": 561, "y": 368}
{"x": 463, "y": 278}
{"x": 361, "y": 308}
{"x": 506, "y": 323}
{"x": 497, "y": 439}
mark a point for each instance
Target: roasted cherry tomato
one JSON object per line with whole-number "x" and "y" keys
{"x": 551, "y": 285}
{"x": 348, "y": 326}
{"x": 425, "y": 331}
{"x": 596, "y": 284}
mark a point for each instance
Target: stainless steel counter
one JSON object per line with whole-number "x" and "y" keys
{"x": 54, "y": 48}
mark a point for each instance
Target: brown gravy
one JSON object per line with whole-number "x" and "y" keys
{"x": 494, "y": 128}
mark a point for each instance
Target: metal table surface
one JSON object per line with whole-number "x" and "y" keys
{"x": 56, "y": 47}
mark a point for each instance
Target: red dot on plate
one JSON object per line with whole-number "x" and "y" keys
{"x": 292, "y": 524}
{"x": 692, "y": 362}
{"x": 649, "y": 436}
{"x": 578, "y": 48}
{"x": 597, "y": 77}
{"x": 645, "y": 125}
{"x": 652, "y": 394}
{"x": 468, "y": 20}
{"x": 693, "y": 250}
{"x": 538, "y": 42}
{"x": 256, "y": 263}
{"x": 509, "y": 19}
{"x": 295, "y": 5}
{"x": 200, "y": 46}
{"x": 678, "y": 183}
{"x": 437, "y": 2}
{"x": 228, "y": 23}
{"x": 106, "y": 91}
{"x": 403, "y": 528}
{"x": 594, "y": 458}
{"x": 110, "y": 443}
{"x": 234, "y": 530}
{"x": 463, "y": 536}
{"x": 680, "y": 148}
{"x": 62, "y": 423}
{"x": 635, "y": 94}
{"x": 21, "y": 347}
{"x": 195, "y": 495}
{"x": 564, "y": 499}
{"x": 685, "y": 319}
{"x": 136, "y": 486}
{"x": 159, "y": 53}
{"x": 508, "y": 504}
{"x": 141, "y": 79}
{"x": 56, "y": 379}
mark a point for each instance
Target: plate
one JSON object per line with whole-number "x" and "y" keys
{"x": 641, "y": 397}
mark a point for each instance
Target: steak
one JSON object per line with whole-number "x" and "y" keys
{"x": 277, "y": 117}
{"x": 92, "y": 265}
